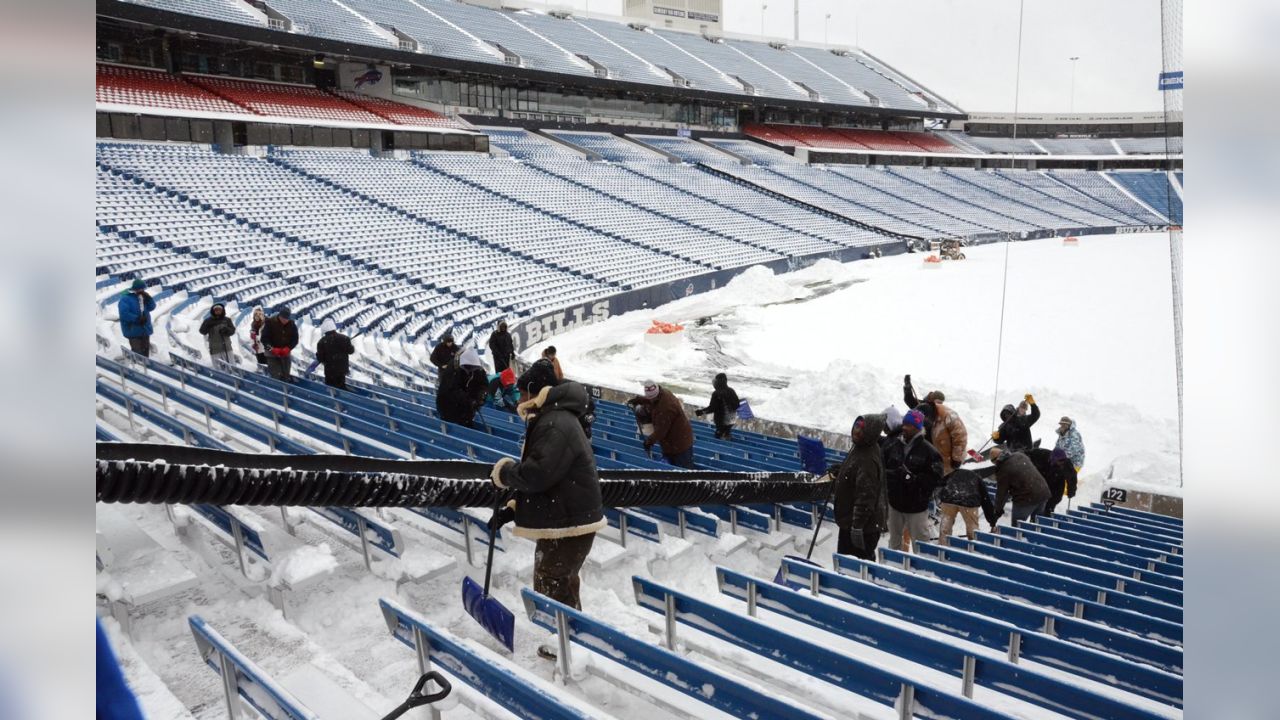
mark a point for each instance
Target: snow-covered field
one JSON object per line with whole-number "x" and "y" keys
{"x": 1088, "y": 330}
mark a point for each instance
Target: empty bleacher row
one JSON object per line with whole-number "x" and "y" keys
{"x": 856, "y": 139}
{"x": 589, "y": 47}
{"x": 139, "y": 87}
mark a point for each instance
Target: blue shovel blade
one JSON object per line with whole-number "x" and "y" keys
{"x": 780, "y": 578}
{"x": 492, "y": 616}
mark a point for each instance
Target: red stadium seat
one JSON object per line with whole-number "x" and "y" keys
{"x": 401, "y": 113}
{"x": 281, "y": 100}
{"x": 120, "y": 85}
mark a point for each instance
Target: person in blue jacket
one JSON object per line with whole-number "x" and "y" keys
{"x": 135, "y": 308}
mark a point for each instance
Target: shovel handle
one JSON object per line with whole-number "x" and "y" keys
{"x": 417, "y": 697}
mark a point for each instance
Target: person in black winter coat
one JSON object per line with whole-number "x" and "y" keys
{"x": 221, "y": 332}
{"x": 963, "y": 494}
{"x": 279, "y": 337}
{"x": 861, "y": 509}
{"x": 723, "y": 407}
{"x": 557, "y": 490}
{"x": 913, "y": 470}
{"x": 464, "y": 384}
{"x": 445, "y": 352}
{"x": 1058, "y": 473}
{"x": 333, "y": 352}
{"x": 501, "y": 347}
{"x": 539, "y": 375}
{"x": 1014, "y": 433}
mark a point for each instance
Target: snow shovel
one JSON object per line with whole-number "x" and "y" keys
{"x": 496, "y": 619}
{"x": 813, "y": 457}
{"x": 418, "y": 698}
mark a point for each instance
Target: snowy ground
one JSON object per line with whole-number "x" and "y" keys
{"x": 1088, "y": 330}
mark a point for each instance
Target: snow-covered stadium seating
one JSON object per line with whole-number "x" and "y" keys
{"x": 1076, "y": 615}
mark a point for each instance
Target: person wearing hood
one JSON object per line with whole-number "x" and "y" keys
{"x": 1069, "y": 441}
{"x": 463, "y": 387}
{"x": 134, "y": 308}
{"x": 1016, "y": 479}
{"x": 557, "y": 500}
{"x": 913, "y": 470}
{"x": 1014, "y": 433}
{"x": 334, "y": 351}
{"x": 671, "y": 428}
{"x": 445, "y": 352}
{"x": 279, "y": 338}
{"x": 1058, "y": 473}
{"x": 221, "y": 332}
{"x": 723, "y": 407}
{"x": 255, "y": 333}
{"x": 861, "y": 510}
{"x": 501, "y": 347}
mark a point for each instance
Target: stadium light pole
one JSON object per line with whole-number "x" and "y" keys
{"x": 1073, "y": 81}
{"x": 763, "y": 7}
{"x": 826, "y": 30}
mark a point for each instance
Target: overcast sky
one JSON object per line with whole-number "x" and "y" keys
{"x": 966, "y": 50}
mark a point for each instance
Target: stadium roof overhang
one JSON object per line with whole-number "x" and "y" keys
{"x": 168, "y": 19}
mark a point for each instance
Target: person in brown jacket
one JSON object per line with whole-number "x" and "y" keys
{"x": 1017, "y": 479}
{"x": 671, "y": 428}
{"x": 949, "y": 434}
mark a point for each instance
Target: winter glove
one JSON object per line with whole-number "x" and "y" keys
{"x": 501, "y": 517}
{"x": 699, "y": 413}
{"x": 1030, "y": 399}
{"x": 496, "y": 474}
{"x": 280, "y": 352}
{"x": 995, "y": 435}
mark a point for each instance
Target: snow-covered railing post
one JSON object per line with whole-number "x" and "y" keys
{"x": 907, "y": 702}
{"x": 1015, "y": 646}
{"x": 670, "y": 617}
{"x": 562, "y": 639}
{"x": 422, "y": 650}
{"x": 970, "y": 671}
{"x": 230, "y": 686}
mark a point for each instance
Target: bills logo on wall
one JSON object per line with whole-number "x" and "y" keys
{"x": 371, "y": 76}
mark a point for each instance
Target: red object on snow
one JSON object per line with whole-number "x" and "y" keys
{"x": 664, "y": 328}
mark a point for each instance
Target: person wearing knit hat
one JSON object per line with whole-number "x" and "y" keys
{"x": 134, "y": 310}
{"x": 913, "y": 470}
{"x": 279, "y": 337}
{"x": 463, "y": 385}
{"x": 333, "y": 351}
{"x": 892, "y": 419}
{"x": 671, "y": 428}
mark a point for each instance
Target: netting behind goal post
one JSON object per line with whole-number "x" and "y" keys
{"x": 1171, "y": 80}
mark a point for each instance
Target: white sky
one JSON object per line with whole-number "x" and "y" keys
{"x": 966, "y": 50}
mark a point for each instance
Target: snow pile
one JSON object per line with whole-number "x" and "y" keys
{"x": 1087, "y": 330}
{"x": 304, "y": 563}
